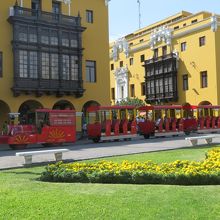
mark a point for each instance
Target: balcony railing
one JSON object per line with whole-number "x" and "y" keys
{"x": 64, "y": 87}
{"x": 31, "y": 14}
{"x": 161, "y": 58}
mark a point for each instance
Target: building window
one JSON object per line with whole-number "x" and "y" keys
{"x": 183, "y": 46}
{"x": 45, "y": 36}
{"x": 32, "y": 35}
{"x": 204, "y": 79}
{"x": 141, "y": 40}
{"x": 175, "y": 28}
{"x": 142, "y": 57}
{"x": 23, "y": 36}
{"x": 33, "y": 64}
{"x": 54, "y": 66}
{"x": 54, "y": 38}
{"x": 185, "y": 82}
{"x": 91, "y": 71}
{"x": 132, "y": 90}
{"x": 1, "y": 64}
{"x": 194, "y": 21}
{"x": 156, "y": 53}
{"x": 36, "y": 4}
{"x": 73, "y": 40}
{"x": 74, "y": 68}
{"x": 121, "y": 64}
{"x": 112, "y": 66}
{"x": 113, "y": 93}
{"x": 131, "y": 61}
{"x": 143, "y": 88}
{"x": 45, "y": 65}
{"x": 184, "y": 25}
{"x": 66, "y": 67}
{"x": 202, "y": 41}
{"x": 89, "y": 16}
{"x": 56, "y": 8}
{"x": 23, "y": 63}
{"x": 164, "y": 50}
{"x": 131, "y": 44}
{"x": 65, "y": 39}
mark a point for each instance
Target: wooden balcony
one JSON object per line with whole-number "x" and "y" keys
{"x": 17, "y": 12}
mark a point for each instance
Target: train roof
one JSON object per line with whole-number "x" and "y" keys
{"x": 106, "y": 108}
{"x": 160, "y": 107}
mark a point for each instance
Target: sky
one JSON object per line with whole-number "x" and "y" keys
{"x": 124, "y": 19}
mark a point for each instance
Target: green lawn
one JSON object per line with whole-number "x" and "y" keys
{"x": 23, "y": 197}
{"x": 193, "y": 154}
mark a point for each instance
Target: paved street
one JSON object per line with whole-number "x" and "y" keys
{"x": 87, "y": 149}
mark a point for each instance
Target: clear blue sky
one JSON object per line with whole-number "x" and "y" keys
{"x": 123, "y": 14}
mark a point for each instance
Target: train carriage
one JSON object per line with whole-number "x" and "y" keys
{"x": 111, "y": 122}
{"x": 51, "y": 127}
{"x": 167, "y": 120}
{"x": 208, "y": 118}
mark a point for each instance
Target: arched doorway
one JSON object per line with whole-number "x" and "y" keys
{"x": 4, "y": 110}
{"x": 88, "y": 104}
{"x": 187, "y": 112}
{"x": 84, "y": 109}
{"x": 205, "y": 103}
{"x": 27, "y": 111}
{"x": 204, "y": 111}
{"x": 63, "y": 104}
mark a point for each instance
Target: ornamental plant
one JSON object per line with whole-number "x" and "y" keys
{"x": 178, "y": 172}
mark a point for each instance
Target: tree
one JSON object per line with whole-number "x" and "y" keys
{"x": 131, "y": 101}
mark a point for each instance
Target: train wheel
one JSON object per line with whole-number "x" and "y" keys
{"x": 146, "y": 136}
{"x": 96, "y": 140}
{"x": 18, "y": 146}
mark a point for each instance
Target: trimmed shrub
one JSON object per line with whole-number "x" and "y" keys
{"x": 178, "y": 172}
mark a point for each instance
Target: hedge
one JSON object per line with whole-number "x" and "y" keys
{"x": 178, "y": 172}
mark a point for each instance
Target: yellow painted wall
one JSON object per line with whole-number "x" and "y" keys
{"x": 192, "y": 61}
{"x": 95, "y": 43}
{"x": 217, "y": 60}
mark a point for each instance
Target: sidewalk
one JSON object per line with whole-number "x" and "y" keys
{"x": 86, "y": 149}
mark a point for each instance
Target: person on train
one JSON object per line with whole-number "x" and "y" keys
{"x": 165, "y": 121}
{"x": 5, "y": 128}
{"x": 157, "y": 123}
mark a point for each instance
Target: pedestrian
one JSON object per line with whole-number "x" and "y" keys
{"x": 5, "y": 128}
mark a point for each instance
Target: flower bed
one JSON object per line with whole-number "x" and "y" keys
{"x": 178, "y": 172}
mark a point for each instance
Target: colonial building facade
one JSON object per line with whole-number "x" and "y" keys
{"x": 49, "y": 56}
{"x": 173, "y": 61}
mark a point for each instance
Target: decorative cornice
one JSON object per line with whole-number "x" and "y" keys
{"x": 121, "y": 72}
{"x": 157, "y": 37}
{"x": 160, "y": 34}
{"x": 119, "y": 46}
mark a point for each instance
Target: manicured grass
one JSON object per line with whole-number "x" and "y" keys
{"x": 192, "y": 154}
{"x": 22, "y": 196}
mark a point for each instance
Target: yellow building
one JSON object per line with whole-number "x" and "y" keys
{"x": 53, "y": 55}
{"x": 173, "y": 61}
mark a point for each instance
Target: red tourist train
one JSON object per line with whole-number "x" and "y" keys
{"x": 51, "y": 127}
{"x": 123, "y": 122}
{"x": 54, "y": 127}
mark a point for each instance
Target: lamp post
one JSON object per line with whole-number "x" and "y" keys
{"x": 139, "y": 12}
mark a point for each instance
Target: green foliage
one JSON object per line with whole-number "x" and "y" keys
{"x": 131, "y": 101}
{"x": 24, "y": 197}
{"x": 178, "y": 172}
